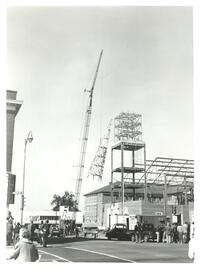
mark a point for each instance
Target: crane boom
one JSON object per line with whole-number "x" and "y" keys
{"x": 85, "y": 136}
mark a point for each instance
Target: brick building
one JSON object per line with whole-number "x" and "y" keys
{"x": 99, "y": 210}
{"x": 12, "y": 107}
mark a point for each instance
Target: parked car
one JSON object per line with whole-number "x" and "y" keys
{"x": 55, "y": 231}
{"x": 149, "y": 232}
{"x": 90, "y": 232}
{"x": 120, "y": 231}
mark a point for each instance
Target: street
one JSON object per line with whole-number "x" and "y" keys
{"x": 87, "y": 250}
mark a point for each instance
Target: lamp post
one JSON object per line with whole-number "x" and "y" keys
{"x": 28, "y": 139}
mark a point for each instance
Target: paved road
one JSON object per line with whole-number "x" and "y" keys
{"x": 114, "y": 251}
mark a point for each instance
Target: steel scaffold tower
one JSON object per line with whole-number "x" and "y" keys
{"x": 128, "y": 126}
{"x": 85, "y": 136}
{"x": 97, "y": 166}
{"x": 128, "y": 138}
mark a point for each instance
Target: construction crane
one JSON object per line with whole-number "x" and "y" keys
{"x": 97, "y": 166}
{"x": 85, "y": 136}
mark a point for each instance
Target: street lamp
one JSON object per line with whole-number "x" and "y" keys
{"x": 28, "y": 139}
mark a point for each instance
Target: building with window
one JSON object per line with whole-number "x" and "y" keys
{"x": 12, "y": 108}
{"x": 166, "y": 198}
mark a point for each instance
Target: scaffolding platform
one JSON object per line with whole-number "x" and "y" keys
{"x": 128, "y": 169}
{"x": 129, "y": 145}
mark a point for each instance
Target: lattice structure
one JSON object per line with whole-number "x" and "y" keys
{"x": 97, "y": 166}
{"x": 128, "y": 126}
{"x": 85, "y": 134}
{"x": 177, "y": 171}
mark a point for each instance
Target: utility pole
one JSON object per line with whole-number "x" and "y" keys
{"x": 28, "y": 139}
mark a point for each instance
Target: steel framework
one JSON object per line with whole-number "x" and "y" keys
{"x": 128, "y": 126}
{"x": 177, "y": 171}
{"x": 97, "y": 166}
{"x": 175, "y": 176}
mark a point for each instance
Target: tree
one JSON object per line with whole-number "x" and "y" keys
{"x": 67, "y": 200}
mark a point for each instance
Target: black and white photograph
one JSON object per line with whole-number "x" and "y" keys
{"x": 100, "y": 144}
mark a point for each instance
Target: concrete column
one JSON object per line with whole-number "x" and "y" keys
{"x": 111, "y": 176}
{"x": 145, "y": 176}
{"x": 122, "y": 176}
{"x": 133, "y": 165}
{"x": 185, "y": 183}
{"x": 165, "y": 195}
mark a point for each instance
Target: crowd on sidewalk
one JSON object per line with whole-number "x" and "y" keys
{"x": 21, "y": 238}
{"x": 167, "y": 233}
{"x": 14, "y": 231}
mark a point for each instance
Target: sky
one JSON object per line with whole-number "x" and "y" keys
{"x": 146, "y": 68}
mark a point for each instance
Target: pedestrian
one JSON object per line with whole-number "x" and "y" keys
{"x": 168, "y": 233}
{"x": 161, "y": 230}
{"x": 192, "y": 243}
{"x": 142, "y": 231}
{"x": 138, "y": 231}
{"x": 9, "y": 231}
{"x": 40, "y": 232}
{"x": 66, "y": 230}
{"x": 174, "y": 233}
{"x": 185, "y": 232}
{"x": 180, "y": 233}
{"x": 192, "y": 230}
{"x": 16, "y": 233}
{"x": 157, "y": 234}
{"x": 31, "y": 229}
{"x": 76, "y": 231}
{"x": 25, "y": 250}
{"x": 45, "y": 233}
{"x": 188, "y": 232}
{"x": 164, "y": 234}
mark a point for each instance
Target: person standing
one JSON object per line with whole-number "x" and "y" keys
{"x": 40, "y": 232}
{"x": 168, "y": 233}
{"x": 138, "y": 231}
{"x": 76, "y": 232}
{"x": 142, "y": 231}
{"x": 192, "y": 229}
{"x": 45, "y": 233}
{"x": 9, "y": 231}
{"x": 180, "y": 233}
{"x": 185, "y": 232}
{"x": 31, "y": 229}
{"x": 157, "y": 230}
{"x": 66, "y": 230}
{"x": 174, "y": 233}
{"x": 164, "y": 234}
{"x": 192, "y": 243}
{"x": 16, "y": 233}
{"x": 25, "y": 250}
{"x": 160, "y": 231}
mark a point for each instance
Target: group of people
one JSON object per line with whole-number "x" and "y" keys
{"x": 39, "y": 233}
{"x": 24, "y": 250}
{"x": 175, "y": 232}
{"x": 167, "y": 233}
{"x": 22, "y": 237}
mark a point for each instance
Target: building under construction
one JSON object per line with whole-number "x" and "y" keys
{"x": 140, "y": 189}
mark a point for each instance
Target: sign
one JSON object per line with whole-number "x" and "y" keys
{"x": 159, "y": 213}
{"x": 11, "y": 189}
{"x": 132, "y": 222}
{"x": 174, "y": 219}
